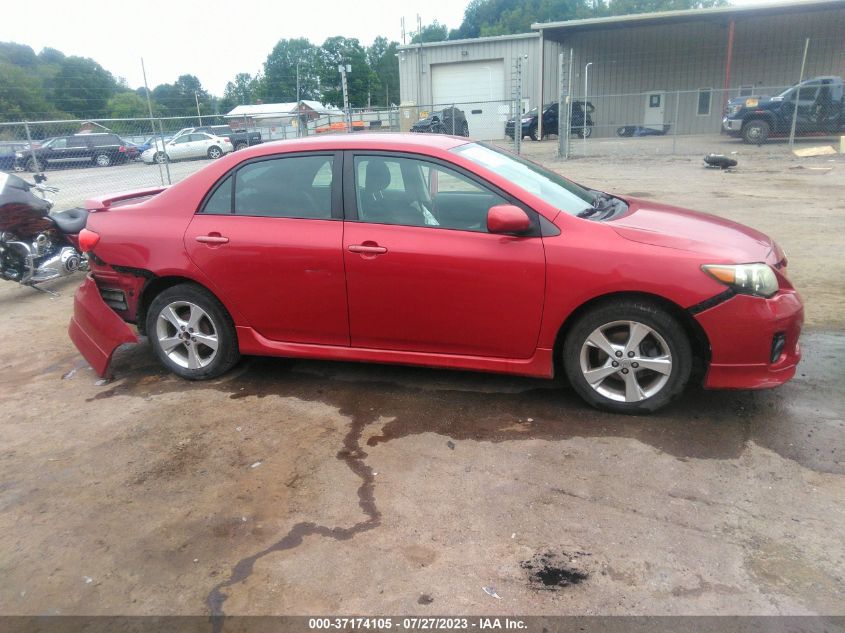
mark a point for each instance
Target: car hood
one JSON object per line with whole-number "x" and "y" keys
{"x": 723, "y": 241}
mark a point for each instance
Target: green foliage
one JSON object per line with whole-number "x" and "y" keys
{"x": 278, "y": 85}
{"x": 82, "y": 87}
{"x": 434, "y": 32}
{"x": 382, "y": 57}
{"x": 503, "y": 17}
{"x": 180, "y": 98}
{"x": 127, "y": 105}
{"x": 21, "y": 95}
{"x": 360, "y": 79}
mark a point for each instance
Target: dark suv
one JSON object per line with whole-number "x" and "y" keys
{"x": 101, "y": 150}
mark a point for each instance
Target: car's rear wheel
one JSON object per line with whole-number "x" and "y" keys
{"x": 102, "y": 160}
{"x": 465, "y": 129}
{"x": 191, "y": 332}
{"x": 241, "y": 146}
{"x": 214, "y": 152}
{"x": 756, "y": 132}
{"x": 627, "y": 357}
{"x": 533, "y": 133}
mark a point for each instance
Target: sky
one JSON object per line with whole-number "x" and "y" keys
{"x": 212, "y": 39}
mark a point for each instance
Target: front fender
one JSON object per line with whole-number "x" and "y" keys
{"x": 96, "y": 329}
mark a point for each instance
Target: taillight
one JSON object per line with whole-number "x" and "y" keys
{"x": 121, "y": 149}
{"x": 88, "y": 240}
{"x": 226, "y": 138}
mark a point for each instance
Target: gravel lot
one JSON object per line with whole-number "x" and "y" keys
{"x": 298, "y": 487}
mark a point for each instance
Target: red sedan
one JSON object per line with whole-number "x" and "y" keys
{"x": 431, "y": 250}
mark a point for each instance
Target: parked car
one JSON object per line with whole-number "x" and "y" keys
{"x": 821, "y": 110}
{"x": 550, "y": 121}
{"x": 432, "y": 250}
{"x": 446, "y": 121}
{"x": 239, "y": 139}
{"x": 8, "y": 156}
{"x": 100, "y": 149}
{"x": 193, "y": 145}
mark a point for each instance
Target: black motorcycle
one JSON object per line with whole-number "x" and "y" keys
{"x": 35, "y": 244}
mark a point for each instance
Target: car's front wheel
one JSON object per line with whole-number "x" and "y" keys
{"x": 191, "y": 332}
{"x": 160, "y": 158}
{"x": 756, "y": 132}
{"x": 214, "y": 152}
{"x": 627, "y": 357}
{"x": 465, "y": 129}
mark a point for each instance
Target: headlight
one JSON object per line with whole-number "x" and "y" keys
{"x": 751, "y": 279}
{"x": 527, "y": 119}
{"x": 18, "y": 154}
{"x": 734, "y": 109}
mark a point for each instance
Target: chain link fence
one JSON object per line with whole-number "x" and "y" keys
{"x": 97, "y": 157}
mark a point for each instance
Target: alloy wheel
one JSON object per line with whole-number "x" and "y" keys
{"x": 187, "y": 335}
{"x": 626, "y": 361}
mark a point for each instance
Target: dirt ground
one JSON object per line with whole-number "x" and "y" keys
{"x": 298, "y": 487}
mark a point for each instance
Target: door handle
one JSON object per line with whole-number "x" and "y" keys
{"x": 367, "y": 250}
{"x": 212, "y": 239}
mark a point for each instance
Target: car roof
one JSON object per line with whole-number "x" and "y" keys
{"x": 364, "y": 140}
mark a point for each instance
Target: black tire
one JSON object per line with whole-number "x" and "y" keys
{"x": 102, "y": 160}
{"x": 465, "y": 129}
{"x": 215, "y": 321}
{"x": 625, "y": 131}
{"x": 34, "y": 165}
{"x": 666, "y": 335}
{"x": 756, "y": 131}
{"x": 586, "y": 132}
{"x": 214, "y": 152}
{"x": 241, "y": 146}
{"x": 438, "y": 128}
{"x": 532, "y": 132}
{"x": 161, "y": 158}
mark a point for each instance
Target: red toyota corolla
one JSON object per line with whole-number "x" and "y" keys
{"x": 432, "y": 250}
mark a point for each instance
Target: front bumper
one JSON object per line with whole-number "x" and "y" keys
{"x": 742, "y": 331}
{"x": 96, "y": 329}
{"x": 732, "y": 125}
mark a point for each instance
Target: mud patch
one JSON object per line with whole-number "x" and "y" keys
{"x": 550, "y": 571}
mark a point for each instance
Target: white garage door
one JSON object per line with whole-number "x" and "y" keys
{"x": 473, "y": 86}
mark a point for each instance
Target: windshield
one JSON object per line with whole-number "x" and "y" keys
{"x": 546, "y": 185}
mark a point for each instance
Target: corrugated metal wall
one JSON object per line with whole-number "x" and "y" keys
{"x": 415, "y": 63}
{"x": 629, "y": 61}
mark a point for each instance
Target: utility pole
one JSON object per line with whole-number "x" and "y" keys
{"x": 197, "y": 99}
{"x": 343, "y": 69}
{"x": 153, "y": 125}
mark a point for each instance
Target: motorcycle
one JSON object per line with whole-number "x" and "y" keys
{"x": 35, "y": 244}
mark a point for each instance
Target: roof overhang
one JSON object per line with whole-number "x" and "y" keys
{"x": 558, "y": 30}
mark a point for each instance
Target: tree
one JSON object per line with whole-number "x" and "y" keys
{"x": 384, "y": 63}
{"x": 17, "y": 54}
{"x": 337, "y": 51}
{"x": 434, "y": 32}
{"x": 21, "y": 95}
{"x": 278, "y": 84}
{"x": 82, "y": 87}
{"x": 242, "y": 90}
{"x": 180, "y": 98}
{"x": 127, "y": 105}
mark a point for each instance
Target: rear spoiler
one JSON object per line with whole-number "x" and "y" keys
{"x": 104, "y": 202}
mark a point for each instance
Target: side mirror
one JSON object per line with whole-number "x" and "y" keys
{"x": 507, "y": 218}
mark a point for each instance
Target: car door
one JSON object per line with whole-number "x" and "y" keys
{"x": 422, "y": 272}
{"x": 56, "y": 152}
{"x": 269, "y": 237}
{"x": 179, "y": 147}
{"x": 200, "y": 142}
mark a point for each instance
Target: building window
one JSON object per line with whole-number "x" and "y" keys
{"x": 704, "y": 96}
{"x": 746, "y": 91}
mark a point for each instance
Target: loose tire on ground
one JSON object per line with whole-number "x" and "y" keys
{"x": 658, "y": 364}
{"x": 191, "y": 333}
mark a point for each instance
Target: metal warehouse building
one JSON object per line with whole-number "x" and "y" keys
{"x": 653, "y": 69}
